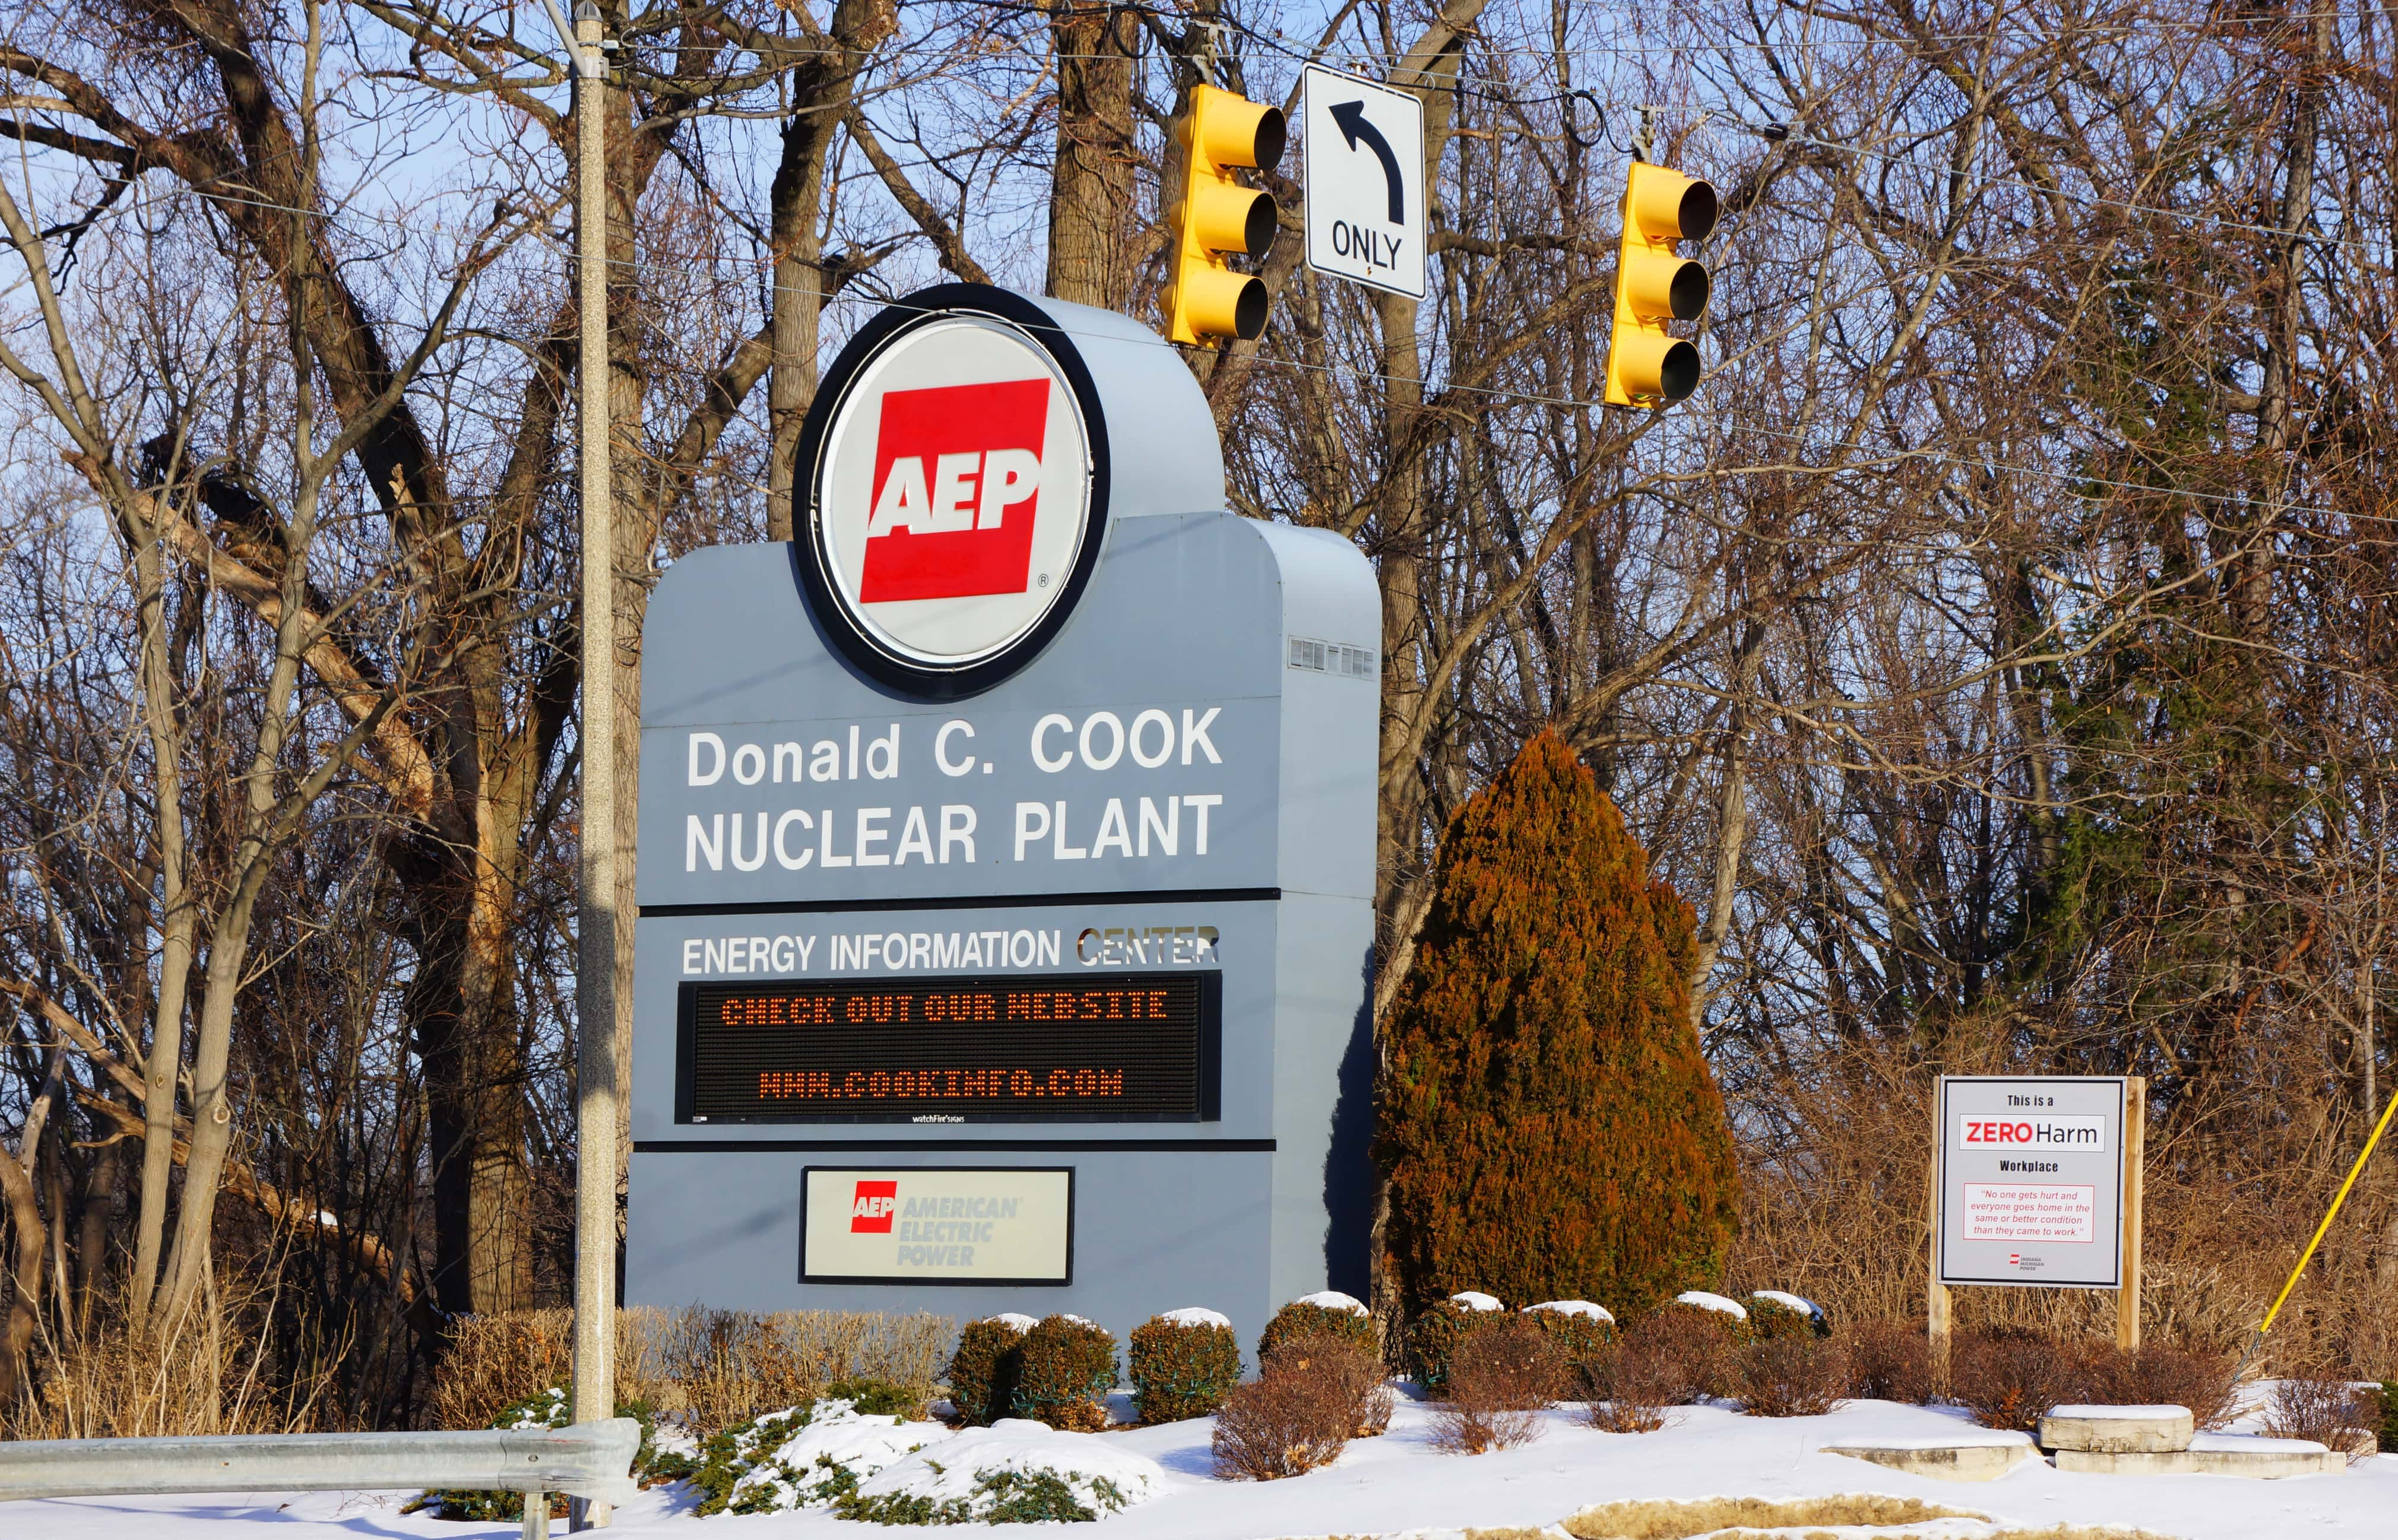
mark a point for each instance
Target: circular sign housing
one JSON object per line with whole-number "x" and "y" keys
{"x": 956, "y": 479}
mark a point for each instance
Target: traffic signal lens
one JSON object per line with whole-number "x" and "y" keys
{"x": 1669, "y": 207}
{"x": 1664, "y": 369}
{"x": 1659, "y": 284}
{"x": 1235, "y": 131}
{"x": 1219, "y": 303}
{"x": 1234, "y": 219}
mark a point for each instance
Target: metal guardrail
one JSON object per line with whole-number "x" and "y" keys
{"x": 591, "y": 1460}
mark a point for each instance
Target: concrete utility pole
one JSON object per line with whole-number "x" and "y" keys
{"x": 595, "y": 962}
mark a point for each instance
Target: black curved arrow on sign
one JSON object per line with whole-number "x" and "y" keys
{"x": 1350, "y": 115}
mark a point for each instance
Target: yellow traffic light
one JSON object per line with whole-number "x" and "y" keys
{"x": 1216, "y": 217}
{"x": 1653, "y": 285}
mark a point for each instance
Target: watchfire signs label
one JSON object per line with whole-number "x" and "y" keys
{"x": 2031, "y": 1182}
{"x": 906, "y": 1224}
{"x": 953, "y": 497}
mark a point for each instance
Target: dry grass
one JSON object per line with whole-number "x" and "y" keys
{"x": 1833, "y": 1210}
{"x": 219, "y": 1372}
{"x": 707, "y": 1369}
{"x": 1659, "y": 1519}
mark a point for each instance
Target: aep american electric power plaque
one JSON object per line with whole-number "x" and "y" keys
{"x": 2031, "y": 1180}
{"x": 1015, "y": 819}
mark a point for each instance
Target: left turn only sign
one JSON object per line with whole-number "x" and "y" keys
{"x": 1365, "y": 182}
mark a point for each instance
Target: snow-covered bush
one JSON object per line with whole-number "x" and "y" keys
{"x": 1774, "y": 1313}
{"x": 1433, "y": 1339}
{"x": 1067, "y": 1366}
{"x": 1014, "y": 1472}
{"x": 1183, "y": 1364}
{"x": 808, "y": 1456}
{"x": 982, "y": 1372}
{"x": 552, "y": 1407}
{"x": 1581, "y": 1330}
{"x": 1328, "y": 1311}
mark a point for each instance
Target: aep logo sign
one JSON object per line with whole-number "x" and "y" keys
{"x": 957, "y": 479}
{"x": 871, "y": 1209}
{"x": 957, "y": 507}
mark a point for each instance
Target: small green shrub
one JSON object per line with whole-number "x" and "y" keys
{"x": 1432, "y": 1341}
{"x": 2388, "y": 1430}
{"x": 982, "y": 1372}
{"x": 1068, "y": 1367}
{"x": 1738, "y": 1330}
{"x": 551, "y": 1409}
{"x": 1000, "y": 1497}
{"x": 1771, "y": 1320}
{"x": 1580, "y": 1336}
{"x": 1318, "y": 1315}
{"x": 1182, "y": 1368}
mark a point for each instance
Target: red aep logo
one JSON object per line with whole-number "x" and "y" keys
{"x": 871, "y": 1209}
{"x": 957, "y": 479}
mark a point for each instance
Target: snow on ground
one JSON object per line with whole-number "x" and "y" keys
{"x": 1394, "y": 1484}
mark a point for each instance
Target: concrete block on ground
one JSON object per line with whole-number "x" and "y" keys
{"x": 2214, "y": 1454}
{"x": 2117, "y": 1429}
{"x": 1968, "y": 1455}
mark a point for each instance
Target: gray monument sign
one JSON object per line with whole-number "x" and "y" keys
{"x": 1006, "y": 851}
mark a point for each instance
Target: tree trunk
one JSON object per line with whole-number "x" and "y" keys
{"x": 1091, "y": 215}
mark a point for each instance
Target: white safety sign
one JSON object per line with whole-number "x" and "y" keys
{"x": 2031, "y": 1180}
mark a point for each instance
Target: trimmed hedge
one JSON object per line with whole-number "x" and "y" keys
{"x": 1545, "y": 1119}
{"x": 1432, "y": 1341}
{"x": 1581, "y": 1338}
{"x": 1068, "y": 1365}
{"x": 983, "y": 1372}
{"x": 1182, "y": 1369}
{"x": 1771, "y": 1320}
{"x": 1735, "y": 1330}
{"x": 1300, "y": 1318}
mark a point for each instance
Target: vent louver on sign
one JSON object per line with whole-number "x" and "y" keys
{"x": 1018, "y": 1048}
{"x": 1331, "y": 658}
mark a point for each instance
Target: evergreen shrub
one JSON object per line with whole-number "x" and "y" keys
{"x": 1066, "y": 1366}
{"x": 1545, "y": 1121}
{"x": 1578, "y": 1335}
{"x": 1432, "y": 1341}
{"x": 1182, "y": 1368}
{"x": 982, "y": 1372}
{"x": 553, "y": 1408}
{"x": 1770, "y": 1319}
{"x": 1317, "y": 1313}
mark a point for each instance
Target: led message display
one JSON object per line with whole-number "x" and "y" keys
{"x": 1129, "y": 1047}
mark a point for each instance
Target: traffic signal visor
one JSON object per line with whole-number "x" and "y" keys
{"x": 1646, "y": 364}
{"x": 1218, "y": 217}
